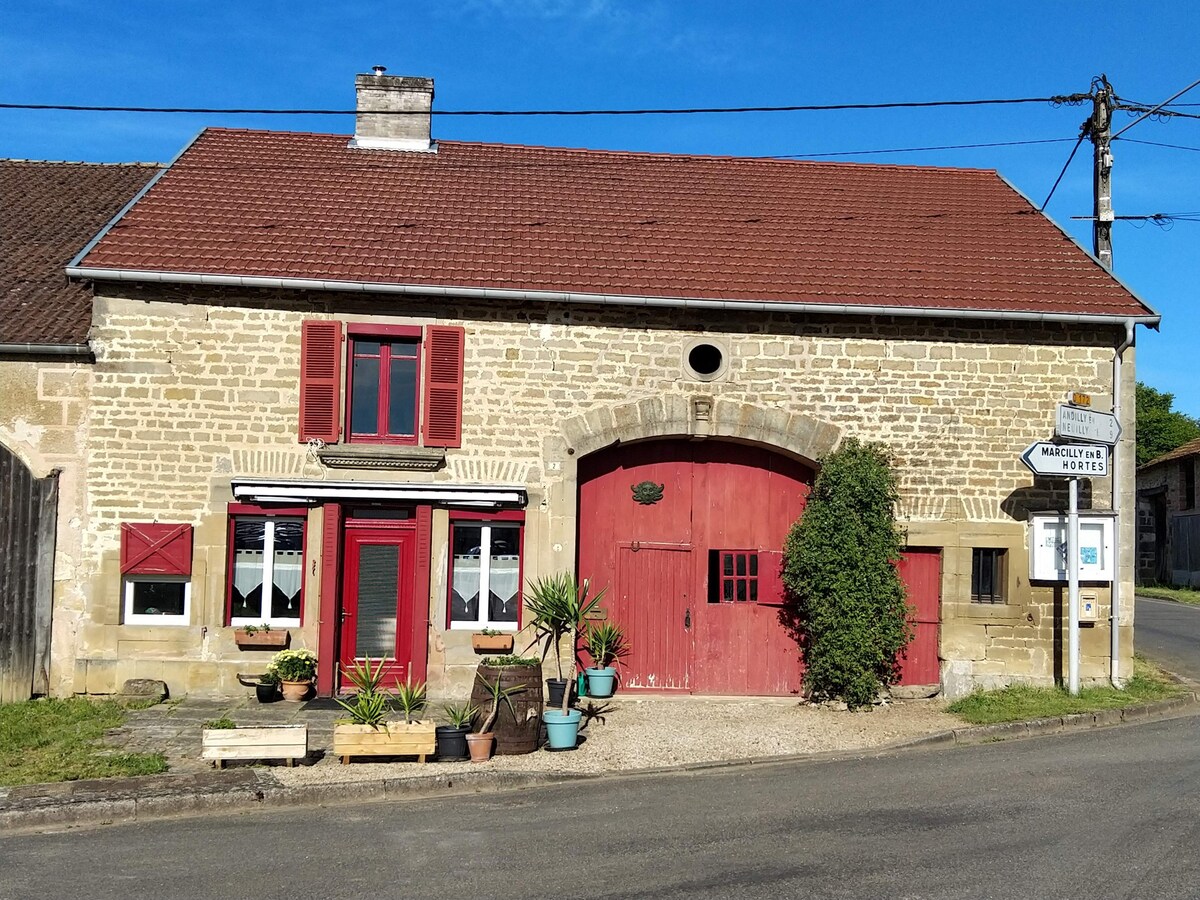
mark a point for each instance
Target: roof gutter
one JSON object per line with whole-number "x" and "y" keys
{"x": 76, "y": 350}
{"x": 425, "y": 290}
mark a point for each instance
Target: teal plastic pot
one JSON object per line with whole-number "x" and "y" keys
{"x": 562, "y": 730}
{"x": 601, "y": 682}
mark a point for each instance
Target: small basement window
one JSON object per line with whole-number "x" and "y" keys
{"x": 157, "y": 600}
{"x": 989, "y": 568}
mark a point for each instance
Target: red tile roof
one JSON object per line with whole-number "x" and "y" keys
{"x": 49, "y": 211}
{"x": 289, "y": 205}
{"x": 1191, "y": 448}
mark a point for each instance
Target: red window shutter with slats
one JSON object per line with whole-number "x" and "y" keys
{"x": 444, "y": 345}
{"x": 320, "y": 380}
{"x": 770, "y": 578}
{"x": 156, "y": 549}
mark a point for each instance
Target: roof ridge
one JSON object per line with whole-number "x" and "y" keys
{"x": 639, "y": 154}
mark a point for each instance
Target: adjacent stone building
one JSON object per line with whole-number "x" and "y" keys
{"x": 363, "y": 389}
{"x": 1168, "y": 519}
{"x": 50, "y": 210}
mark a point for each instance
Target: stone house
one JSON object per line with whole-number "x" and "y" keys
{"x": 1168, "y": 519}
{"x": 364, "y": 388}
{"x": 49, "y": 212}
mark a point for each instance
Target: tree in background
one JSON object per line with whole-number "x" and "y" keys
{"x": 1159, "y": 428}
{"x": 847, "y": 604}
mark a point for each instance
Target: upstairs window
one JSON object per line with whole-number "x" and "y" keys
{"x": 383, "y": 394}
{"x": 266, "y": 570}
{"x": 403, "y": 383}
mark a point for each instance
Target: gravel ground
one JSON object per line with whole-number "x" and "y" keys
{"x": 646, "y": 733}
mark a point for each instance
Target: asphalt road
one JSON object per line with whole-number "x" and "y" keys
{"x": 1169, "y": 634}
{"x": 1107, "y": 813}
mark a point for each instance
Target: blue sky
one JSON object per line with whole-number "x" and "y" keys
{"x": 580, "y": 54}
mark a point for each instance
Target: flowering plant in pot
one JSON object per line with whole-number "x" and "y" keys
{"x": 295, "y": 670}
{"x": 607, "y": 646}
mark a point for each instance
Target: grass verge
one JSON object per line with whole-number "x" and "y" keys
{"x": 1020, "y": 702}
{"x": 62, "y": 740}
{"x": 1179, "y": 595}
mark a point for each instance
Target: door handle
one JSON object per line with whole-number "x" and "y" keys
{"x": 687, "y": 619}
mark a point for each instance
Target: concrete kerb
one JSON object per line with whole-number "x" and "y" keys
{"x": 121, "y": 801}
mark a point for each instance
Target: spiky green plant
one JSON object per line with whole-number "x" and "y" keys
{"x": 559, "y": 606}
{"x": 410, "y": 698}
{"x": 460, "y": 714}
{"x": 606, "y": 644}
{"x": 365, "y": 678}
{"x": 367, "y": 708}
{"x": 497, "y": 694}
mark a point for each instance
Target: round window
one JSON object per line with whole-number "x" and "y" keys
{"x": 705, "y": 361}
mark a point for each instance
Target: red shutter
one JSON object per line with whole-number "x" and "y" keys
{"x": 320, "y": 380}
{"x": 156, "y": 549}
{"x": 329, "y": 618}
{"x": 444, "y": 346}
{"x": 770, "y": 578}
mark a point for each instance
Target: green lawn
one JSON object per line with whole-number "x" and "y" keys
{"x": 1015, "y": 704}
{"x": 62, "y": 740}
{"x": 1181, "y": 595}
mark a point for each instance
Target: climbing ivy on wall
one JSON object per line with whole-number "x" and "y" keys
{"x": 847, "y": 601}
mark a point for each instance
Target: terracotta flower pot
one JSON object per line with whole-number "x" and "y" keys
{"x": 480, "y": 746}
{"x": 295, "y": 690}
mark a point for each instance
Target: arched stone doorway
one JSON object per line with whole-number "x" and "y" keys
{"x": 28, "y": 513}
{"x": 687, "y": 537}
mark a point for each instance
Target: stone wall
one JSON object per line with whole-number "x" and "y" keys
{"x": 194, "y": 387}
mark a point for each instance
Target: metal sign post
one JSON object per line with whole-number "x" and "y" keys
{"x": 1069, "y": 461}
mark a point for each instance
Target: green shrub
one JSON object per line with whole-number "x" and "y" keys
{"x": 847, "y": 603}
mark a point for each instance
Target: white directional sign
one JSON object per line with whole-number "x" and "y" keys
{"x": 1087, "y": 425}
{"x": 1067, "y": 460}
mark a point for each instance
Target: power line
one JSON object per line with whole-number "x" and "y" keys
{"x": 1160, "y": 144}
{"x": 921, "y": 149}
{"x": 1155, "y": 109}
{"x": 1066, "y": 99}
{"x": 1066, "y": 165}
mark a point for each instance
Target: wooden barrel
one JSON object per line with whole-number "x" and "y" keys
{"x": 518, "y": 727}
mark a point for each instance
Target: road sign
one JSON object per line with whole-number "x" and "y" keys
{"x": 1067, "y": 460}
{"x": 1087, "y": 425}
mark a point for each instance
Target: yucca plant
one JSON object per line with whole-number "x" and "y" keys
{"x": 558, "y": 606}
{"x": 606, "y": 644}
{"x": 460, "y": 715}
{"x": 410, "y": 699}
{"x": 497, "y": 694}
{"x": 367, "y": 708}
{"x": 366, "y": 680}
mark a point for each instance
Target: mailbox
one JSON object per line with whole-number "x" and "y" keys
{"x": 1095, "y": 557}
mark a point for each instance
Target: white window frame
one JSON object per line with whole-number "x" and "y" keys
{"x": 485, "y": 573}
{"x": 132, "y": 618}
{"x": 268, "y": 571}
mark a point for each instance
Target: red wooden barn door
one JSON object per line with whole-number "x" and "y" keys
{"x": 653, "y": 600}
{"x": 921, "y": 571}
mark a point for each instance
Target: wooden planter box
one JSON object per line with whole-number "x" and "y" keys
{"x": 275, "y": 639}
{"x": 492, "y": 643}
{"x": 391, "y": 739}
{"x": 288, "y": 742}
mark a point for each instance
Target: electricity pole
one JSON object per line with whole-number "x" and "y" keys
{"x": 1101, "y": 134}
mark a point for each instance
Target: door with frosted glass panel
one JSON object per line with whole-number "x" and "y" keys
{"x": 377, "y": 600}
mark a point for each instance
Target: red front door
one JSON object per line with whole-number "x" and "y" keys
{"x": 378, "y": 615}
{"x": 921, "y": 572}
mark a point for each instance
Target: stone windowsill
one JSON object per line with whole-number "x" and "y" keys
{"x": 421, "y": 459}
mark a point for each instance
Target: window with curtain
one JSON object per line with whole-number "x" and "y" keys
{"x": 485, "y": 575}
{"x": 267, "y": 570}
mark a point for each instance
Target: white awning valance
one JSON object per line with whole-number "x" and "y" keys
{"x": 262, "y": 490}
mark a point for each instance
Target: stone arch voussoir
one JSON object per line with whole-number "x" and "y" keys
{"x": 697, "y": 417}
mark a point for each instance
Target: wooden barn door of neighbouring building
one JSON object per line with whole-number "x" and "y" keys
{"x": 28, "y": 521}
{"x": 921, "y": 571}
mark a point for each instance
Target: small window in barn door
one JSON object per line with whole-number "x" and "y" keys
{"x": 746, "y": 576}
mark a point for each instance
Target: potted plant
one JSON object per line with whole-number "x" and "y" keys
{"x": 518, "y": 727}
{"x": 369, "y": 733}
{"x": 222, "y": 739}
{"x": 266, "y": 689}
{"x": 480, "y": 742}
{"x": 295, "y": 670}
{"x": 452, "y": 738}
{"x": 558, "y": 607}
{"x": 606, "y": 644}
{"x": 260, "y": 637}
{"x": 489, "y": 640}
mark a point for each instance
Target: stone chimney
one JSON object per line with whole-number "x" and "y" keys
{"x": 377, "y": 125}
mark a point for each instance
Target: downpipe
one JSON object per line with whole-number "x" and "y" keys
{"x": 1114, "y": 615}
